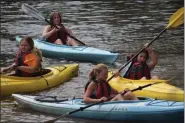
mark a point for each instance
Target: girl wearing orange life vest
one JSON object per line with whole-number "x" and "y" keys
{"x": 58, "y": 35}
{"x": 28, "y": 59}
{"x": 98, "y": 89}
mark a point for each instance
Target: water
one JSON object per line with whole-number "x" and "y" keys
{"x": 117, "y": 26}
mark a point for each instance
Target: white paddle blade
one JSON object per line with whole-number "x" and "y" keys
{"x": 32, "y": 11}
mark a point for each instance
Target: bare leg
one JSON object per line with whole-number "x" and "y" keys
{"x": 58, "y": 41}
{"x": 130, "y": 96}
{"x": 72, "y": 42}
{"x": 155, "y": 77}
{"x": 117, "y": 98}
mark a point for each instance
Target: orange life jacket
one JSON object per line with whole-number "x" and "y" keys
{"x": 21, "y": 60}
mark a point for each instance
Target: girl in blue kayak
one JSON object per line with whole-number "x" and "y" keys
{"x": 56, "y": 32}
{"x": 98, "y": 89}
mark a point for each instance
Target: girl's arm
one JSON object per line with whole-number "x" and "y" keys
{"x": 48, "y": 32}
{"x": 154, "y": 59}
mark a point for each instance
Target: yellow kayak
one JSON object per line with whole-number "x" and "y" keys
{"x": 56, "y": 76}
{"x": 163, "y": 90}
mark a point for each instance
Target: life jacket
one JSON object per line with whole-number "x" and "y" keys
{"x": 21, "y": 61}
{"x": 61, "y": 34}
{"x": 139, "y": 70}
{"x": 102, "y": 90}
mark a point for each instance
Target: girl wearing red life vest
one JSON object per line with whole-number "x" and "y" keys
{"x": 140, "y": 69}
{"x": 28, "y": 59}
{"x": 58, "y": 35}
{"x": 98, "y": 89}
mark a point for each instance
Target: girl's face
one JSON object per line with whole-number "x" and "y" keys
{"x": 56, "y": 19}
{"x": 103, "y": 75}
{"x": 141, "y": 57}
{"x": 24, "y": 46}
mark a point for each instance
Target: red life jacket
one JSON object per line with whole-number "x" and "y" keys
{"x": 61, "y": 34}
{"x": 19, "y": 60}
{"x": 102, "y": 90}
{"x": 143, "y": 68}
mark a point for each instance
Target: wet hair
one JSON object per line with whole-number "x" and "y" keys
{"x": 96, "y": 70}
{"x": 29, "y": 41}
{"x": 52, "y": 16}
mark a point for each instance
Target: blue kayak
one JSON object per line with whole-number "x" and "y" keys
{"x": 145, "y": 109}
{"x": 78, "y": 53}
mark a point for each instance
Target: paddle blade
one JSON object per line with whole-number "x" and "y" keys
{"x": 32, "y": 11}
{"x": 176, "y": 19}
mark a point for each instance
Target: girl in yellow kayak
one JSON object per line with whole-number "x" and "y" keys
{"x": 27, "y": 61}
{"x": 139, "y": 68}
{"x": 98, "y": 89}
{"x": 58, "y": 35}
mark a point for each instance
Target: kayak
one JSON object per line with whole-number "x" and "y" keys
{"x": 55, "y": 75}
{"x": 163, "y": 90}
{"x": 78, "y": 53}
{"x": 145, "y": 109}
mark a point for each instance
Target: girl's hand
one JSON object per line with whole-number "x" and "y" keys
{"x": 127, "y": 89}
{"x": 117, "y": 74}
{"x": 148, "y": 48}
{"x": 103, "y": 98}
{"x": 4, "y": 70}
{"x": 56, "y": 29}
{"x": 9, "y": 69}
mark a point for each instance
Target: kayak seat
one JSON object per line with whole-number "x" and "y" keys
{"x": 144, "y": 98}
{"x": 49, "y": 99}
{"x": 45, "y": 71}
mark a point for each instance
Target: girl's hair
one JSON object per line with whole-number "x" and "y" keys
{"x": 32, "y": 48}
{"x": 96, "y": 70}
{"x": 29, "y": 41}
{"x": 52, "y": 16}
{"x": 146, "y": 52}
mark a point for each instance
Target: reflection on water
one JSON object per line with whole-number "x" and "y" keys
{"x": 117, "y": 26}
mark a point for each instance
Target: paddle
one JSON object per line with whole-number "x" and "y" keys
{"x": 36, "y": 14}
{"x": 82, "y": 108}
{"x": 175, "y": 20}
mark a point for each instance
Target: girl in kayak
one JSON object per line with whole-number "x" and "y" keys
{"x": 98, "y": 89}
{"x": 139, "y": 68}
{"x": 59, "y": 35}
{"x": 27, "y": 61}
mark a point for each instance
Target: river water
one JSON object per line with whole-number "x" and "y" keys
{"x": 117, "y": 26}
